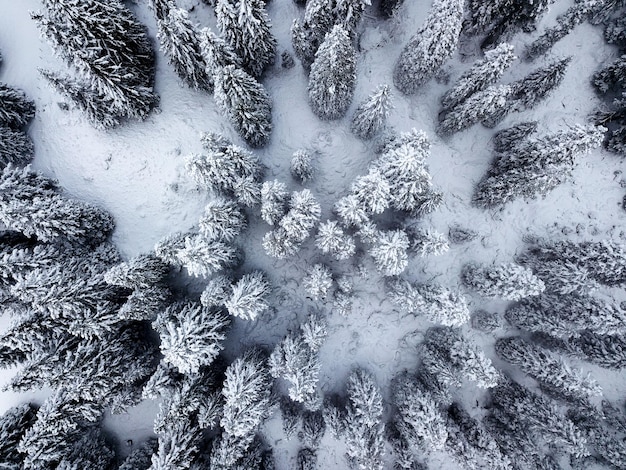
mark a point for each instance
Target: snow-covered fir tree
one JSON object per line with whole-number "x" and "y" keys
{"x": 331, "y": 239}
{"x": 333, "y": 76}
{"x": 372, "y": 191}
{"x": 428, "y": 242}
{"x": 536, "y": 166}
{"x": 204, "y": 258}
{"x": 274, "y": 199}
{"x": 438, "y": 303}
{"x": 291, "y": 415}
{"x": 296, "y": 359}
{"x": 141, "y": 457}
{"x": 350, "y": 210}
{"x": 548, "y": 369}
{"x": 191, "y": 335}
{"x": 371, "y": 115}
{"x": 216, "y": 53}
{"x": 168, "y": 248}
{"x": 612, "y": 76}
{"x": 507, "y": 281}
{"x": 246, "y": 27}
{"x": 318, "y": 281}
{"x": 216, "y": 292}
{"x": 15, "y": 147}
{"x": 478, "y": 107}
{"x": 364, "y": 428}
{"x": 16, "y": 109}
{"x": 608, "y": 351}
{"x": 390, "y": 252}
{"x": 539, "y": 83}
{"x": 430, "y": 47}
{"x": 306, "y": 459}
{"x": 313, "y": 428}
{"x": 246, "y": 104}
{"x": 120, "y": 67}
{"x": 222, "y": 220}
{"x": 180, "y": 42}
{"x": 141, "y": 272}
{"x": 509, "y": 138}
{"x": 13, "y": 424}
{"x": 482, "y": 74}
{"x": 178, "y": 447}
{"x": 302, "y": 166}
{"x": 308, "y": 33}
{"x": 248, "y": 297}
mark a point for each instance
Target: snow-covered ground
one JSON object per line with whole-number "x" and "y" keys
{"x": 137, "y": 173}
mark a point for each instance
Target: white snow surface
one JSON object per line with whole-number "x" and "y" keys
{"x": 136, "y": 172}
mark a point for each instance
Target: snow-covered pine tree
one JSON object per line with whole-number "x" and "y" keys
{"x": 430, "y": 47}
{"x": 548, "y": 369}
{"x": 482, "y": 74}
{"x": 15, "y": 147}
{"x": 247, "y": 394}
{"x": 612, "y": 76}
{"x": 509, "y": 138}
{"x": 371, "y": 115}
{"x": 615, "y": 31}
{"x": 246, "y": 104}
{"x": 507, "y": 281}
{"x": 567, "y": 316}
{"x": 90, "y": 450}
{"x": 333, "y": 75}
{"x": 222, "y": 220}
{"x": 306, "y": 459}
{"x": 31, "y": 204}
{"x": 274, "y": 198}
{"x": 191, "y": 335}
{"x": 318, "y": 281}
{"x": 120, "y": 67}
{"x": 141, "y": 457}
{"x": 202, "y": 258}
{"x": 313, "y": 428}
{"x": 539, "y": 83}
{"x": 427, "y": 241}
{"x": 13, "y": 424}
{"x": 390, "y": 252}
{"x": 217, "y": 292}
{"x": 168, "y": 248}
{"x": 373, "y": 191}
{"x": 478, "y": 107}
{"x": 308, "y": 33}
{"x": 438, "y": 303}
{"x": 418, "y": 419}
{"x": 608, "y": 351}
{"x": 291, "y": 415}
{"x": 246, "y": 27}
{"x": 16, "y": 109}
{"x": 364, "y": 431}
{"x": 331, "y": 239}
{"x": 141, "y": 272}
{"x": 350, "y": 210}
{"x": 302, "y": 166}
{"x": 180, "y": 42}
{"x": 178, "y": 446}
{"x": 216, "y": 52}
{"x": 248, "y": 297}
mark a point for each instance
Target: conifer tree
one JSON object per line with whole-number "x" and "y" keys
{"x": 308, "y": 34}
{"x": 371, "y": 115}
{"x": 246, "y": 104}
{"x": 306, "y": 459}
{"x": 548, "y": 369}
{"x": 216, "y": 53}
{"x": 482, "y": 74}
{"x": 539, "y": 83}
{"x": 430, "y": 47}
{"x": 202, "y": 258}
{"x": 318, "y": 282}
{"x": 428, "y": 242}
{"x": 508, "y": 281}
{"x": 274, "y": 198}
{"x": 168, "y": 248}
{"x": 13, "y": 424}
{"x": 248, "y": 298}
{"x": 302, "y": 167}
{"x": 246, "y": 28}
{"x": 180, "y": 42}
{"x": 350, "y": 210}
{"x": 141, "y": 272}
{"x": 333, "y": 76}
{"x": 364, "y": 432}
{"x": 390, "y": 252}
{"x": 611, "y": 76}
{"x": 509, "y": 138}
{"x": 332, "y": 240}
{"x": 372, "y": 191}
{"x": 16, "y": 109}
{"x": 178, "y": 447}
{"x": 141, "y": 457}
{"x": 438, "y": 303}
{"x": 191, "y": 335}
{"x": 608, "y": 351}
{"x": 15, "y": 147}
{"x": 222, "y": 220}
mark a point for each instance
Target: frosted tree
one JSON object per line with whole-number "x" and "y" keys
{"x": 333, "y": 76}
{"x": 608, "y": 351}
{"x": 611, "y": 76}
{"x": 247, "y": 395}
{"x": 615, "y": 31}
{"x": 428, "y": 242}
{"x": 141, "y": 457}
{"x": 217, "y": 292}
{"x": 168, "y": 248}
{"x": 216, "y": 53}
{"x": 507, "y": 281}
{"x": 509, "y": 138}
{"x": 222, "y": 220}
{"x": 301, "y": 166}
{"x": 246, "y": 104}
{"x": 274, "y": 198}
{"x": 371, "y": 115}
{"x": 308, "y": 33}
{"x": 191, "y": 335}
{"x": 246, "y": 28}
{"x": 331, "y": 239}
{"x": 180, "y": 42}
{"x": 296, "y": 359}
{"x": 13, "y": 424}
{"x": 31, "y": 204}
{"x": 318, "y": 282}
{"x": 16, "y": 109}
{"x": 306, "y": 459}
{"x": 179, "y": 446}
{"x": 538, "y": 84}
{"x": 15, "y": 147}
{"x": 351, "y": 211}
{"x": 482, "y": 74}
{"x": 141, "y": 272}
{"x": 438, "y": 303}
{"x": 248, "y": 298}
{"x": 478, "y": 107}
{"x": 202, "y": 258}
{"x": 418, "y": 419}
{"x": 373, "y": 191}
{"x": 120, "y": 67}
{"x": 89, "y": 450}
{"x": 390, "y": 252}
{"x": 291, "y": 415}
{"x": 364, "y": 432}
{"x": 430, "y": 47}
{"x": 548, "y": 369}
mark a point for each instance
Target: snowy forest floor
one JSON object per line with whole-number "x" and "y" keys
{"x": 136, "y": 172}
